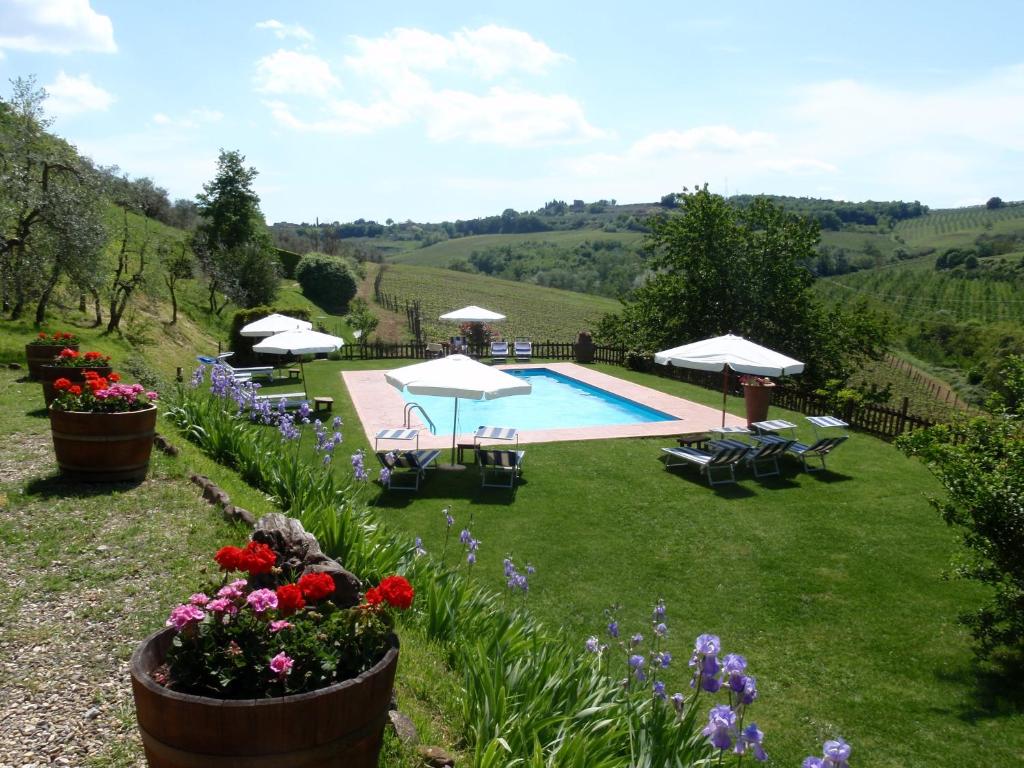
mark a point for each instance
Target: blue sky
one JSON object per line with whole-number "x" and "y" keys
{"x": 431, "y": 111}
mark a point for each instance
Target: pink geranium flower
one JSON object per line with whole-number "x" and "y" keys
{"x": 262, "y": 600}
{"x": 281, "y": 665}
{"x": 183, "y": 615}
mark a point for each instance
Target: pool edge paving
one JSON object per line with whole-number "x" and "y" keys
{"x": 380, "y": 406}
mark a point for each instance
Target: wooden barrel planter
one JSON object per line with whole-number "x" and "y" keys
{"x": 341, "y": 725}
{"x": 50, "y": 373}
{"x": 757, "y": 399}
{"x": 38, "y": 355}
{"x": 103, "y": 447}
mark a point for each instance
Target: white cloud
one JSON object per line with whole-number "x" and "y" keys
{"x": 283, "y": 31}
{"x": 289, "y": 72}
{"x": 73, "y": 95}
{"x": 54, "y": 26}
{"x": 398, "y": 76}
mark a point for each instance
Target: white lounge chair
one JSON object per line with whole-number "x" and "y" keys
{"x": 291, "y": 399}
{"x": 501, "y": 467}
{"x": 725, "y": 457}
{"x": 499, "y": 351}
{"x": 818, "y": 450}
{"x": 245, "y": 374}
{"x": 766, "y": 454}
{"x": 523, "y": 350}
{"x": 406, "y": 464}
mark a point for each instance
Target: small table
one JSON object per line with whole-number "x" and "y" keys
{"x": 694, "y": 440}
{"x": 294, "y": 373}
{"x": 398, "y": 433}
{"x": 327, "y": 403}
{"x": 460, "y": 450}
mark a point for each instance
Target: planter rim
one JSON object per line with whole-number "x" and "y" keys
{"x": 143, "y": 677}
{"x": 150, "y": 407}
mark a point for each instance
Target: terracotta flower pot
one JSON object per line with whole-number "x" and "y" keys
{"x": 757, "y": 399}
{"x": 42, "y": 354}
{"x": 341, "y": 725}
{"x": 50, "y": 373}
{"x": 103, "y": 447}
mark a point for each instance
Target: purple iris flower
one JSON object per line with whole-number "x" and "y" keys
{"x": 660, "y": 630}
{"x": 613, "y": 628}
{"x": 678, "y": 701}
{"x": 750, "y": 739}
{"x": 358, "y": 467}
{"x": 837, "y": 752}
{"x": 593, "y": 646}
{"x": 465, "y": 536}
{"x": 448, "y": 519}
{"x": 636, "y": 661}
{"x": 721, "y": 726}
{"x": 636, "y": 639}
{"x": 749, "y": 693}
{"x": 659, "y": 611}
{"x": 658, "y": 690}
{"x": 812, "y": 762}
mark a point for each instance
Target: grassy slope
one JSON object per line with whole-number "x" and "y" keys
{"x": 541, "y": 313}
{"x": 444, "y": 253}
{"x": 829, "y": 583}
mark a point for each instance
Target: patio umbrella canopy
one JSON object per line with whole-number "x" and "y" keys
{"x": 299, "y": 342}
{"x": 472, "y": 314}
{"x": 724, "y": 353}
{"x": 272, "y": 324}
{"x": 457, "y": 376}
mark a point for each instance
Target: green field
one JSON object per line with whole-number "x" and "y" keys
{"x": 540, "y": 313}
{"x": 444, "y": 253}
{"x": 959, "y": 227}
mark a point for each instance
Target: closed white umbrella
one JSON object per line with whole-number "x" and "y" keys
{"x": 457, "y": 376}
{"x": 299, "y": 342}
{"x": 275, "y": 323}
{"x": 729, "y": 352}
{"x": 472, "y": 314}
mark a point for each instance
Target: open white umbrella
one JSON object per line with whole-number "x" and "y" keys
{"x": 271, "y": 324}
{"x": 457, "y": 376}
{"x": 299, "y": 342}
{"x": 724, "y": 353}
{"x": 472, "y": 314}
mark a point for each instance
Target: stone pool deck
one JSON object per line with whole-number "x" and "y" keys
{"x": 380, "y": 406}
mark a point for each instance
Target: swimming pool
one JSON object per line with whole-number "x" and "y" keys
{"x": 557, "y": 401}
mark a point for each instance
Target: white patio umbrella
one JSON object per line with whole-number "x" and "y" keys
{"x": 299, "y": 342}
{"x": 275, "y": 323}
{"x": 472, "y": 314}
{"x": 457, "y": 376}
{"x": 724, "y": 353}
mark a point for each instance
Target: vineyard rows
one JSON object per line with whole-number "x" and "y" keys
{"x": 532, "y": 311}
{"x": 972, "y": 221}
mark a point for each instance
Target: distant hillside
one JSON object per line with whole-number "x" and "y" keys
{"x": 539, "y": 313}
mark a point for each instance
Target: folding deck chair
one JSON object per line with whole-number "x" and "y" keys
{"x": 499, "y": 351}
{"x": 406, "y": 464}
{"x": 501, "y": 467}
{"x": 818, "y": 450}
{"x": 725, "y": 457}
{"x": 244, "y": 374}
{"x": 766, "y": 454}
{"x": 523, "y": 350}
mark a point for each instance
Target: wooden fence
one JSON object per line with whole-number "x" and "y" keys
{"x": 879, "y": 420}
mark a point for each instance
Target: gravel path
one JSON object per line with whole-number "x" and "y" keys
{"x": 87, "y": 572}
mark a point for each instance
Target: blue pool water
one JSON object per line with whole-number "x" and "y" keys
{"x": 556, "y": 401}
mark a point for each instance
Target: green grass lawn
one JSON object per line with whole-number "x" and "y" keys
{"x": 830, "y": 584}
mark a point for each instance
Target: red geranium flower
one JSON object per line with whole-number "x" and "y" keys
{"x": 93, "y": 355}
{"x": 114, "y": 376}
{"x": 90, "y": 375}
{"x": 68, "y": 353}
{"x": 257, "y": 558}
{"x": 373, "y": 596}
{"x": 289, "y": 599}
{"x": 316, "y": 586}
{"x": 64, "y": 335}
{"x": 75, "y": 390}
{"x": 61, "y": 384}
{"x": 397, "y": 591}
{"x": 42, "y": 334}
{"x": 229, "y": 558}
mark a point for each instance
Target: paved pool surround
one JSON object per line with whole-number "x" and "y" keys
{"x": 380, "y": 406}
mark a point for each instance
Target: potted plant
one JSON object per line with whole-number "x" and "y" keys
{"x": 72, "y": 365}
{"x": 102, "y": 429}
{"x": 584, "y": 347}
{"x": 757, "y": 396}
{"x": 42, "y": 349}
{"x": 270, "y": 666}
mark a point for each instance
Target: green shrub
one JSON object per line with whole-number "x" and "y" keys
{"x": 327, "y": 280}
{"x": 289, "y": 261}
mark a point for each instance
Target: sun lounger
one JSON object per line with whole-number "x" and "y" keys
{"x": 766, "y": 455}
{"x": 725, "y": 458}
{"x": 818, "y": 450}
{"x": 406, "y": 468}
{"x": 291, "y": 399}
{"x": 499, "y": 351}
{"x": 523, "y": 350}
{"x": 245, "y": 374}
{"x": 499, "y": 468}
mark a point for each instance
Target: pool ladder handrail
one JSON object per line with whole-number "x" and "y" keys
{"x": 407, "y": 416}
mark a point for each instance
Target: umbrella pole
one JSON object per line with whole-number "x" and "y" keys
{"x": 302, "y": 368}
{"x": 455, "y": 427}
{"x": 725, "y": 389}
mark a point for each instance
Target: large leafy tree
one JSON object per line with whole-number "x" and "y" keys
{"x": 980, "y": 463}
{"x": 51, "y": 212}
{"x": 232, "y": 243}
{"x": 720, "y": 269}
